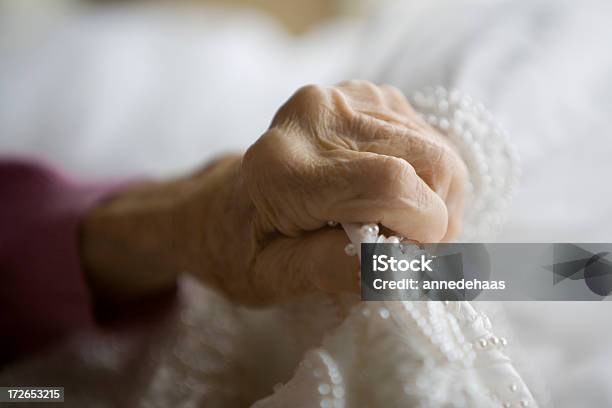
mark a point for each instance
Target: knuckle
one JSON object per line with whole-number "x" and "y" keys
{"x": 305, "y": 103}
{"x": 250, "y": 157}
{"x": 354, "y": 83}
{"x": 254, "y": 153}
{"x": 362, "y": 87}
{"x": 389, "y": 176}
{"x": 262, "y": 157}
{"x": 251, "y": 162}
{"x": 398, "y": 100}
{"x": 444, "y": 161}
{"x": 309, "y": 95}
{"x": 392, "y": 90}
{"x": 367, "y": 85}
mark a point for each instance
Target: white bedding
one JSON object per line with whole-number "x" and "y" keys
{"x": 125, "y": 92}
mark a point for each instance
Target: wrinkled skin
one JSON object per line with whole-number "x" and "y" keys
{"x": 255, "y": 227}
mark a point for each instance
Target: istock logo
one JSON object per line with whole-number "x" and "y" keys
{"x": 580, "y": 264}
{"x": 383, "y": 263}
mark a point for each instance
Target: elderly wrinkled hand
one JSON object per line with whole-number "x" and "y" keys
{"x": 255, "y": 227}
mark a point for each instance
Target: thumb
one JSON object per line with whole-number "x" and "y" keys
{"x": 314, "y": 261}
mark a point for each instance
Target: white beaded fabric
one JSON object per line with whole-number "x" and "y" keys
{"x": 491, "y": 159}
{"x": 403, "y": 354}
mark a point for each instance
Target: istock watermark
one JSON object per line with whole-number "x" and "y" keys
{"x": 479, "y": 271}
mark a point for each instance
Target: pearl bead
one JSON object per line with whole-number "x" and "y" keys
{"x": 503, "y": 341}
{"x": 513, "y": 387}
{"x": 383, "y": 312}
{"x": 327, "y": 403}
{"x": 332, "y": 223}
{"x": 524, "y": 403}
{"x": 338, "y": 391}
{"x": 482, "y": 343}
{"x": 393, "y": 240}
{"x": 324, "y": 389}
{"x": 369, "y": 230}
{"x": 507, "y": 405}
{"x": 494, "y": 340}
{"x": 350, "y": 250}
{"x": 457, "y": 128}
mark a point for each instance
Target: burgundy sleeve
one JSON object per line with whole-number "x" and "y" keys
{"x": 43, "y": 292}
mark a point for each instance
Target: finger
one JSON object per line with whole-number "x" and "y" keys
{"x": 291, "y": 266}
{"x": 396, "y": 101}
{"x": 454, "y": 197}
{"x": 455, "y": 204}
{"x": 304, "y": 107}
{"x": 355, "y": 98}
{"x": 382, "y": 102}
{"x": 376, "y": 128}
{"x": 361, "y": 92}
{"x": 433, "y": 161}
{"x": 342, "y": 185}
{"x": 385, "y": 190}
{"x": 385, "y": 123}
